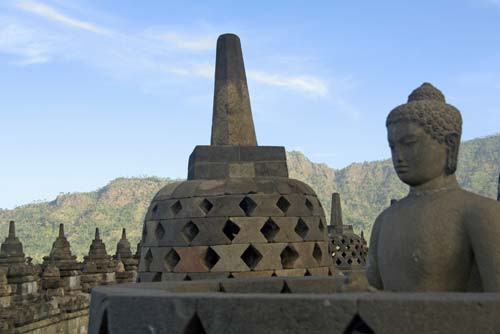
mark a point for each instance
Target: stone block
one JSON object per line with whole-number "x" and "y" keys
{"x": 240, "y": 186}
{"x": 265, "y": 185}
{"x": 209, "y": 171}
{"x": 192, "y": 259}
{"x": 166, "y": 191}
{"x": 126, "y": 311}
{"x": 211, "y": 188}
{"x": 242, "y": 169}
{"x": 253, "y": 274}
{"x": 265, "y": 205}
{"x": 301, "y": 187}
{"x": 230, "y": 258}
{"x": 430, "y": 312}
{"x": 268, "y": 314}
{"x": 252, "y": 285}
{"x": 314, "y": 285}
{"x": 185, "y": 189}
{"x": 297, "y": 205}
{"x": 216, "y": 153}
{"x": 286, "y": 232}
{"x": 271, "y": 169}
{"x": 247, "y": 228}
{"x": 262, "y": 153}
{"x": 226, "y": 206}
{"x": 290, "y": 272}
{"x": 270, "y": 255}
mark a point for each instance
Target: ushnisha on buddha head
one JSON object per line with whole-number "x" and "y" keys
{"x": 424, "y": 137}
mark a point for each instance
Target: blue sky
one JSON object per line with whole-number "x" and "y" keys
{"x": 94, "y": 90}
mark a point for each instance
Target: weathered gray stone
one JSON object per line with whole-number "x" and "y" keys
{"x": 232, "y": 122}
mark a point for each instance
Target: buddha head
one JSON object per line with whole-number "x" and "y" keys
{"x": 424, "y": 136}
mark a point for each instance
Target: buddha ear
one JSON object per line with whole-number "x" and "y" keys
{"x": 452, "y": 141}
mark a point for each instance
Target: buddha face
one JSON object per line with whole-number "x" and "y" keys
{"x": 416, "y": 156}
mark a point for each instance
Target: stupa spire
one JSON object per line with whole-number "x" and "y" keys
{"x": 61, "y": 230}
{"x": 232, "y": 122}
{"x": 336, "y": 211}
{"x": 12, "y": 229}
{"x": 97, "y": 234}
{"x": 498, "y": 193}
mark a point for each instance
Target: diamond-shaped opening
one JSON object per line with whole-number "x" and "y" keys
{"x": 211, "y": 258}
{"x": 172, "y": 259}
{"x": 344, "y": 254}
{"x": 283, "y": 204}
{"x": 159, "y": 231}
{"x": 285, "y": 288}
{"x": 206, "y": 206}
{"x": 309, "y": 205}
{"x": 358, "y": 325}
{"x": 157, "y": 277}
{"x": 349, "y": 261}
{"x": 251, "y": 256}
{"x": 190, "y": 231}
{"x": 194, "y": 326}
{"x": 148, "y": 258}
{"x": 248, "y": 205}
{"x": 338, "y": 262}
{"x": 358, "y": 260}
{"x": 269, "y": 230}
{"x": 301, "y": 228}
{"x": 321, "y": 225}
{"x": 288, "y": 257}
{"x": 176, "y": 207}
{"x": 231, "y": 229}
{"x": 317, "y": 253}
{"x": 104, "y": 328}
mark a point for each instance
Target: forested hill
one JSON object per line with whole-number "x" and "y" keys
{"x": 366, "y": 189}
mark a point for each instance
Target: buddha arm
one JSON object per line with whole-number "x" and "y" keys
{"x": 372, "y": 270}
{"x": 484, "y": 233}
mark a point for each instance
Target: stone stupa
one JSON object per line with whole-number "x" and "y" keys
{"x": 349, "y": 250}
{"x": 238, "y": 214}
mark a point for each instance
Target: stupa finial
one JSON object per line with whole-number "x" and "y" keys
{"x": 124, "y": 233}
{"x": 97, "y": 234}
{"x": 336, "y": 211}
{"x": 232, "y": 122}
{"x": 12, "y": 229}
{"x": 61, "y": 230}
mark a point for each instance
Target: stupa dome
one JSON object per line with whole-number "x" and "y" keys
{"x": 238, "y": 214}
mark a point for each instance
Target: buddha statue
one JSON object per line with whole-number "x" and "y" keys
{"x": 440, "y": 237}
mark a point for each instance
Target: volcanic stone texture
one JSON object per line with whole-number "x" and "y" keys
{"x": 241, "y": 227}
{"x": 286, "y": 305}
{"x": 221, "y": 162}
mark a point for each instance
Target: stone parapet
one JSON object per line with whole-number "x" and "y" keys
{"x": 276, "y": 305}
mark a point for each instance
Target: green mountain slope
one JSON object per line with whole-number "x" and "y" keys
{"x": 366, "y": 189}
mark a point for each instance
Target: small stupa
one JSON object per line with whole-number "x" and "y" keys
{"x": 349, "y": 250}
{"x": 125, "y": 259}
{"x": 61, "y": 257}
{"x": 98, "y": 266}
{"x": 238, "y": 214}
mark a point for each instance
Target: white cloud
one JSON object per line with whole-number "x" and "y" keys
{"x": 149, "y": 57}
{"x": 18, "y": 40}
{"x": 189, "y": 43}
{"x": 53, "y": 14}
{"x": 307, "y": 84}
